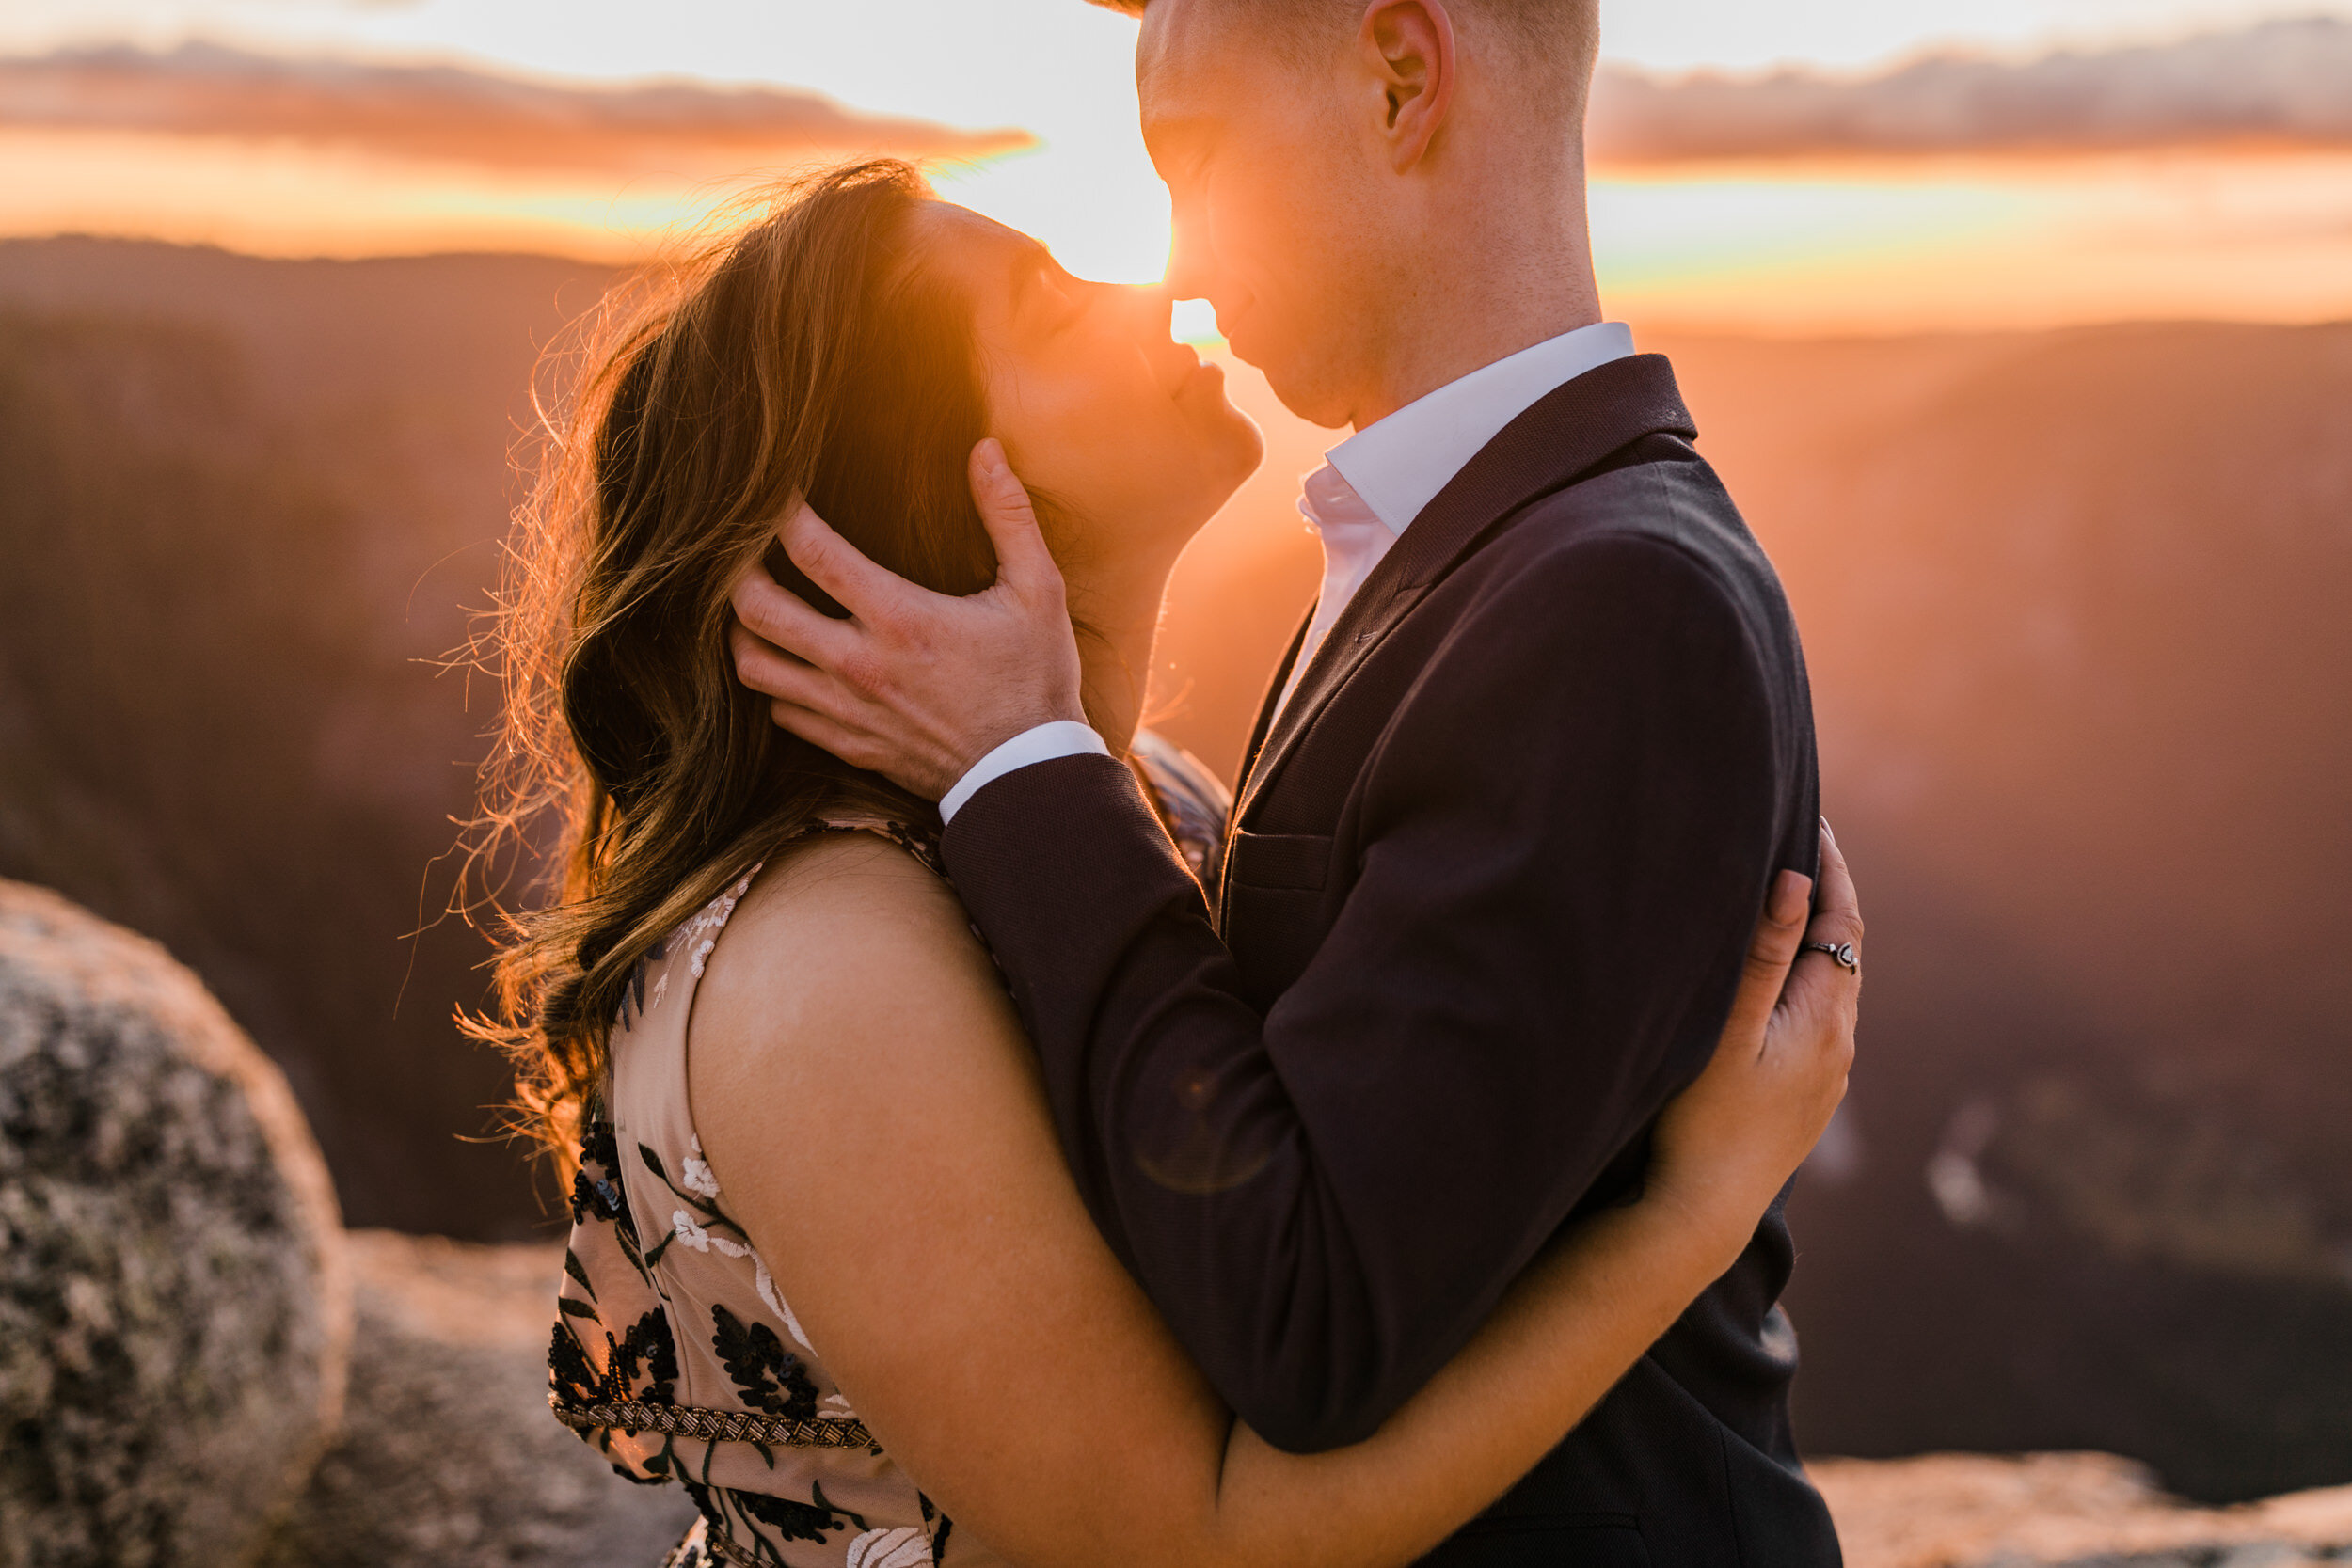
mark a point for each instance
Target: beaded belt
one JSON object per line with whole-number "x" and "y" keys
{"x": 715, "y": 1426}
{"x": 701, "y": 1544}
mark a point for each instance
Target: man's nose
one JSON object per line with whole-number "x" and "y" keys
{"x": 1191, "y": 260}
{"x": 1190, "y": 275}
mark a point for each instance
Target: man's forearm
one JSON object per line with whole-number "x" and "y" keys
{"x": 1201, "y": 1194}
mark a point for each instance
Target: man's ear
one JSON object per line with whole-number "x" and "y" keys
{"x": 1408, "y": 47}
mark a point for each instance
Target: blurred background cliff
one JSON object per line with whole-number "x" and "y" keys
{"x": 2025, "y": 343}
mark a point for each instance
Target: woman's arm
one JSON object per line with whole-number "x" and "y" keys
{"x": 868, "y": 1103}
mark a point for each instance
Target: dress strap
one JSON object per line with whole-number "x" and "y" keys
{"x": 919, "y": 841}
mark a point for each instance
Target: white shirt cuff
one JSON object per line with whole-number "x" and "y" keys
{"x": 1063, "y": 738}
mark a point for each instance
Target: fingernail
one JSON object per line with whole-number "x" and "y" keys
{"x": 992, "y": 456}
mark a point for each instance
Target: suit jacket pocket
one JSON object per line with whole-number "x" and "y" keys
{"x": 1273, "y": 914}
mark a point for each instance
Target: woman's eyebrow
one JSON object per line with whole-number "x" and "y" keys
{"x": 1029, "y": 265}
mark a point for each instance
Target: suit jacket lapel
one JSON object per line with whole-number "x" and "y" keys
{"x": 1567, "y": 432}
{"x": 1249, "y": 754}
{"x": 1274, "y": 694}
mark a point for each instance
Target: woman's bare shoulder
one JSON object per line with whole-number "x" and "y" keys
{"x": 868, "y": 1103}
{"x": 839, "y": 932}
{"x": 847, "y": 970}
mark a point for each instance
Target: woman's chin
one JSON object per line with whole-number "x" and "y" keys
{"x": 1241, "y": 448}
{"x": 1237, "y": 445}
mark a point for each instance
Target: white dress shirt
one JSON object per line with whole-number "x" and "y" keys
{"x": 1368, "y": 491}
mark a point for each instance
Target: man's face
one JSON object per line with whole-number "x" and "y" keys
{"x": 1276, "y": 219}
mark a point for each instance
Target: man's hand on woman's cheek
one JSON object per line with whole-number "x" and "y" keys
{"x": 914, "y": 685}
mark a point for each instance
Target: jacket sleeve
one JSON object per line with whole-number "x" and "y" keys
{"x": 1567, "y": 830}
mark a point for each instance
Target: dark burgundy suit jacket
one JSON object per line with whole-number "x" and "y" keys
{"x": 1491, "y": 880}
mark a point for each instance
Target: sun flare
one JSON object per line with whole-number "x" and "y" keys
{"x": 166, "y": 144}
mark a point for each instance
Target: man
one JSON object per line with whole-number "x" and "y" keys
{"x": 1507, "y": 818}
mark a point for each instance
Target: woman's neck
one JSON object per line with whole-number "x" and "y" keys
{"x": 1116, "y": 607}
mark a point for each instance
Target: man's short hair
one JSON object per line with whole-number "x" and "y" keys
{"x": 1565, "y": 33}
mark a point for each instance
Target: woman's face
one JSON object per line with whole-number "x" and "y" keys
{"x": 1094, "y": 401}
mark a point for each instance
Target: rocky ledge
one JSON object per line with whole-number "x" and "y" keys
{"x": 449, "y": 1458}
{"x": 2075, "y": 1510}
{"x": 174, "y": 1309}
{"x": 199, "y": 1367}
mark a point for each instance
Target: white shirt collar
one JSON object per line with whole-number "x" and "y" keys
{"x": 1399, "y": 464}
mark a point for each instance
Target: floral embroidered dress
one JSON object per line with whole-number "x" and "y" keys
{"x": 675, "y": 1355}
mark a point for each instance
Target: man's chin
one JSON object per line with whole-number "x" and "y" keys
{"x": 1312, "y": 398}
{"x": 1302, "y": 382}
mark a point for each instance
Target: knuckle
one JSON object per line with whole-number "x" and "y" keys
{"x": 863, "y": 671}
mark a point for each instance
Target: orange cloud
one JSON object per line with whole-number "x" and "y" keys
{"x": 2282, "y": 84}
{"x": 449, "y": 113}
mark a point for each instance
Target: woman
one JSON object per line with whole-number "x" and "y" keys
{"x": 803, "y": 1109}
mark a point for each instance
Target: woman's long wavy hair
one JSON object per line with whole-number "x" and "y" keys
{"x": 805, "y": 355}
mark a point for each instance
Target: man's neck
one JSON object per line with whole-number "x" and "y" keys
{"x": 1443, "y": 354}
{"x": 1493, "y": 289}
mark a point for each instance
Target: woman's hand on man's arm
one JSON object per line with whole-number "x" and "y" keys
{"x": 1727, "y": 1145}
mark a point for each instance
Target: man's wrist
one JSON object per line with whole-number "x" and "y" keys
{"x": 1061, "y": 737}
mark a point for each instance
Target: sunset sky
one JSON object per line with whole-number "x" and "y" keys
{"x": 1764, "y": 227}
